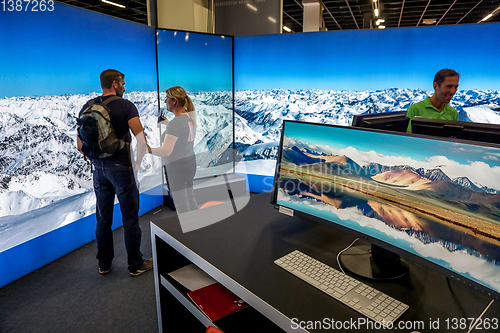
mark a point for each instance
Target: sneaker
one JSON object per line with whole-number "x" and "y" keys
{"x": 103, "y": 272}
{"x": 146, "y": 266}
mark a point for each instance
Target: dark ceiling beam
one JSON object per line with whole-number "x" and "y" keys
{"x": 425, "y": 9}
{"x": 477, "y": 4}
{"x": 437, "y": 23}
{"x": 347, "y": 2}
{"x": 401, "y": 13}
{"x": 334, "y": 20}
{"x": 293, "y": 19}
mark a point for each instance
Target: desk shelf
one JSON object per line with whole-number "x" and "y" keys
{"x": 173, "y": 299}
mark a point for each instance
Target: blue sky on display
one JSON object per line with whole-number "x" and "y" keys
{"x": 369, "y": 59}
{"x": 197, "y": 62}
{"x": 403, "y": 147}
{"x": 64, "y": 51}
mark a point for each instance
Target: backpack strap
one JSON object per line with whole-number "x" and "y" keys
{"x": 109, "y": 100}
{"x": 127, "y": 134}
{"x": 106, "y": 102}
{"x": 99, "y": 100}
{"x": 127, "y": 144}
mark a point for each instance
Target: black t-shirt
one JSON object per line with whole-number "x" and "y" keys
{"x": 180, "y": 127}
{"x": 120, "y": 112}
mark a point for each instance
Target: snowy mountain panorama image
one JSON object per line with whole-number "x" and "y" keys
{"x": 214, "y": 131}
{"x": 46, "y": 183}
{"x": 435, "y": 206}
{"x": 260, "y": 113}
{"x": 342, "y": 78}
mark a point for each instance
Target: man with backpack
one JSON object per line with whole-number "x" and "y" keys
{"x": 104, "y": 137}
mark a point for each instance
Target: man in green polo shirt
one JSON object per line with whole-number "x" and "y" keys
{"x": 436, "y": 107}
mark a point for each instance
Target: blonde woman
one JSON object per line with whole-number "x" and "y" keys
{"x": 178, "y": 148}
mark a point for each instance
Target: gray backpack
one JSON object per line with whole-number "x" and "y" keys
{"x": 95, "y": 131}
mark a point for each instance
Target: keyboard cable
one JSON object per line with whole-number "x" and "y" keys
{"x": 347, "y": 248}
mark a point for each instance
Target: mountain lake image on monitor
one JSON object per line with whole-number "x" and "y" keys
{"x": 436, "y": 199}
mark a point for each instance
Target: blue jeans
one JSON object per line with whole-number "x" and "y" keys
{"x": 109, "y": 179}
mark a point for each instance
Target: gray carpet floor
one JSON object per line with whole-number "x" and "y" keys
{"x": 69, "y": 295}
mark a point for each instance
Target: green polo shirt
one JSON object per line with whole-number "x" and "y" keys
{"x": 425, "y": 109}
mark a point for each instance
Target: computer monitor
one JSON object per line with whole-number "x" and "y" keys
{"x": 456, "y": 129}
{"x": 433, "y": 201}
{"x": 388, "y": 121}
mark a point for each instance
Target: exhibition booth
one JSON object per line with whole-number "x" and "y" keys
{"x": 243, "y": 88}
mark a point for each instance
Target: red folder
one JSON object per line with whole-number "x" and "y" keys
{"x": 215, "y": 301}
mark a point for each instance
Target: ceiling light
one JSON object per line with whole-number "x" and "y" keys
{"x": 376, "y": 12}
{"x": 429, "y": 21}
{"x": 187, "y": 36}
{"x": 112, "y": 3}
{"x": 374, "y": 0}
{"x": 251, "y": 7}
{"x": 271, "y": 19}
{"x": 379, "y": 21}
{"x": 287, "y": 29}
{"x": 381, "y": 26}
{"x": 487, "y": 17}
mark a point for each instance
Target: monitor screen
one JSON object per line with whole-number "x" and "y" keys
{"x": 267, "y": 91}
{"x": 434, "y": 201}
{"x": 388, "y": 121}
{"x": 50, "y": 71}
{"x": 203, "y": 65}
{"x": 456, "y": 129}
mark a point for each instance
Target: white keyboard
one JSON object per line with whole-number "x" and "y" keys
{"x": 357, "y": 295}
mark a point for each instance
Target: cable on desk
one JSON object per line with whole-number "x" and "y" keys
{"x": 347, "y": 248}
{"x": 480, "y": 316}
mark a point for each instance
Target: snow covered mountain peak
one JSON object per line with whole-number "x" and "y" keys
{"x": 265, "y": 110}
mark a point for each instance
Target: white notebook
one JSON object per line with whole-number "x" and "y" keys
{"x": 192, "y": 277}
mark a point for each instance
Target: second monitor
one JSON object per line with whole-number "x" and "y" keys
{"x": 388, "y": 121}
{"x": 456, "y": 129}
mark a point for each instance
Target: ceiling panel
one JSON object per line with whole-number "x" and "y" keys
{"x": 344, "y": 14}
{"x": 351, "y": 14}
{"x": 135, "y": 10}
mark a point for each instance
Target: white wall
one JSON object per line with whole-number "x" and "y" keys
{"x": 190, "y": 15}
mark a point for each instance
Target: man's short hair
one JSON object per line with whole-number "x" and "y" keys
{"x": 445, "y": 72}
{"x": 108, "y": 76}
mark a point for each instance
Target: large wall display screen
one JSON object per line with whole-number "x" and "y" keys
{"x": 49, "y": 67}
{"x": 328, "y": 77}
{"x": 436, "y": 199}
{"x": 203, "y": 65}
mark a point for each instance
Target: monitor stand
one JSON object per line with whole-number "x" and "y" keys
{"x": 373, "y": 263}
